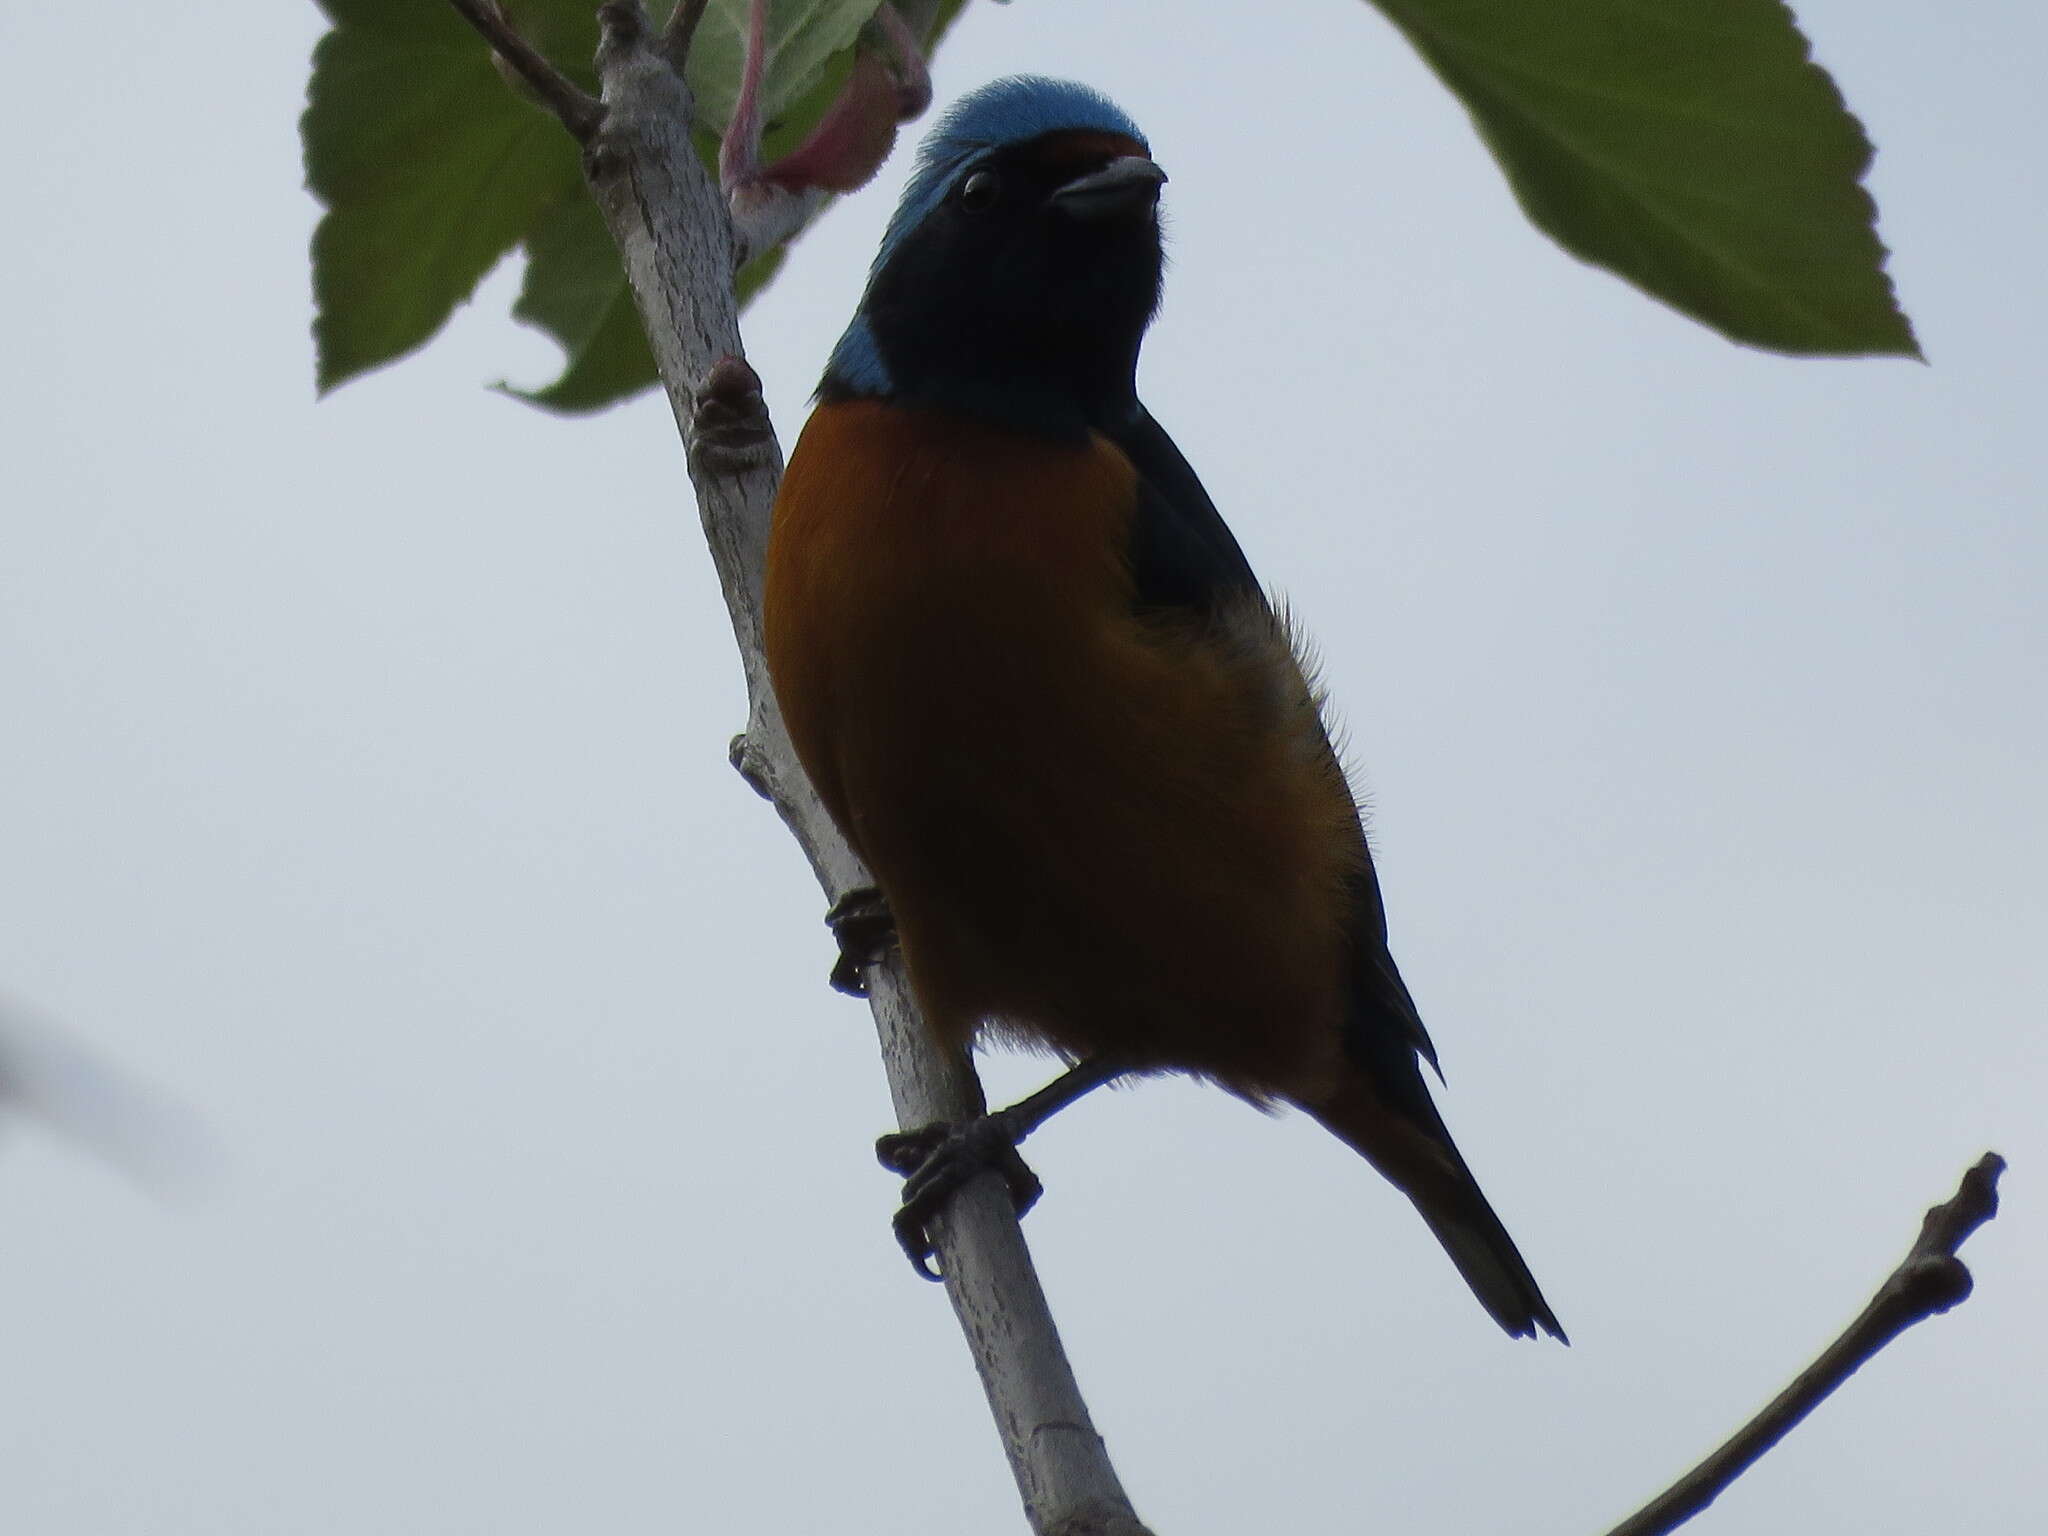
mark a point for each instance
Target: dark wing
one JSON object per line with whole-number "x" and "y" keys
{"x": 1183, "y": 555}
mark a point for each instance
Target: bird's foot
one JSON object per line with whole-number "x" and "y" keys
{"x": 866, "y": 932}
{"x": 938, "y": 1160}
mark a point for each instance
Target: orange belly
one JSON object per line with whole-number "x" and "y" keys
{"x": 1098, "y": 832}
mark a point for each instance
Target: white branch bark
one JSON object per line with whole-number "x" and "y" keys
{"x": 673, "y": 231}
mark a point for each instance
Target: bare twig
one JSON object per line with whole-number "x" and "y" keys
{"x": 681, "y": 29}
{"x": 1930, "y": 1280}
{"x": 675, "y": 236}
{"x": 579, "y": 112}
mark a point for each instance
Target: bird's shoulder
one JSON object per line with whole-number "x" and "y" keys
{"x": 1182, "y": 553}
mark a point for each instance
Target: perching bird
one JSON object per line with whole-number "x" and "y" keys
{"x": 1035, "y": 683}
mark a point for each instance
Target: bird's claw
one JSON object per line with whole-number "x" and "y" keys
{"x": 940, "y": 1159}
{"x": 861, "y": 922}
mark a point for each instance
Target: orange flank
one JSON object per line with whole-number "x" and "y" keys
{"x": 1098, "y": 829}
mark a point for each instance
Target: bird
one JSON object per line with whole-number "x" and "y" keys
{"x": 1036, "y": 684}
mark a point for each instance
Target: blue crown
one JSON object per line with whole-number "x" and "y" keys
{"x": 1013, "y": 110}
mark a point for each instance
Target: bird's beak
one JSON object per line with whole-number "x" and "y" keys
{"x": 1125, "y": 185}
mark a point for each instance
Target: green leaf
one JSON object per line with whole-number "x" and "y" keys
{"x": 432, "y": 170}
{"x": 1692, "y": 147}
{"x": 803, "y": 36}
{"x": 576, "y": 292}
{"x": 587, "y": 306}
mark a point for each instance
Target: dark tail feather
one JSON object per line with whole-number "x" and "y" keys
{"x": 1424, "y": 1165}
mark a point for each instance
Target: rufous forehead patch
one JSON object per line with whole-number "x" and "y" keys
{"x": 1082, "y": 147}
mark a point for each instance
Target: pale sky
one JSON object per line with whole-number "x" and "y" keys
{"x": 365, "y": 801}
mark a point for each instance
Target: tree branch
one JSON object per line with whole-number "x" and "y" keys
{"x": 578, "y": 112}
{"x": 1930, "y": 1280}
{"x": 675, "y": 236}
{"x": 681, "y": 29}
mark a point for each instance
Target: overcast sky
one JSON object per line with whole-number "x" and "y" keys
{"x": 363, "y": 795}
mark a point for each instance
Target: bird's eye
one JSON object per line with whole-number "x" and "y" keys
{"x": 980, "y": 191}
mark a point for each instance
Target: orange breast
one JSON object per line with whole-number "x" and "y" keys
{"x": 1097, "y": 832}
